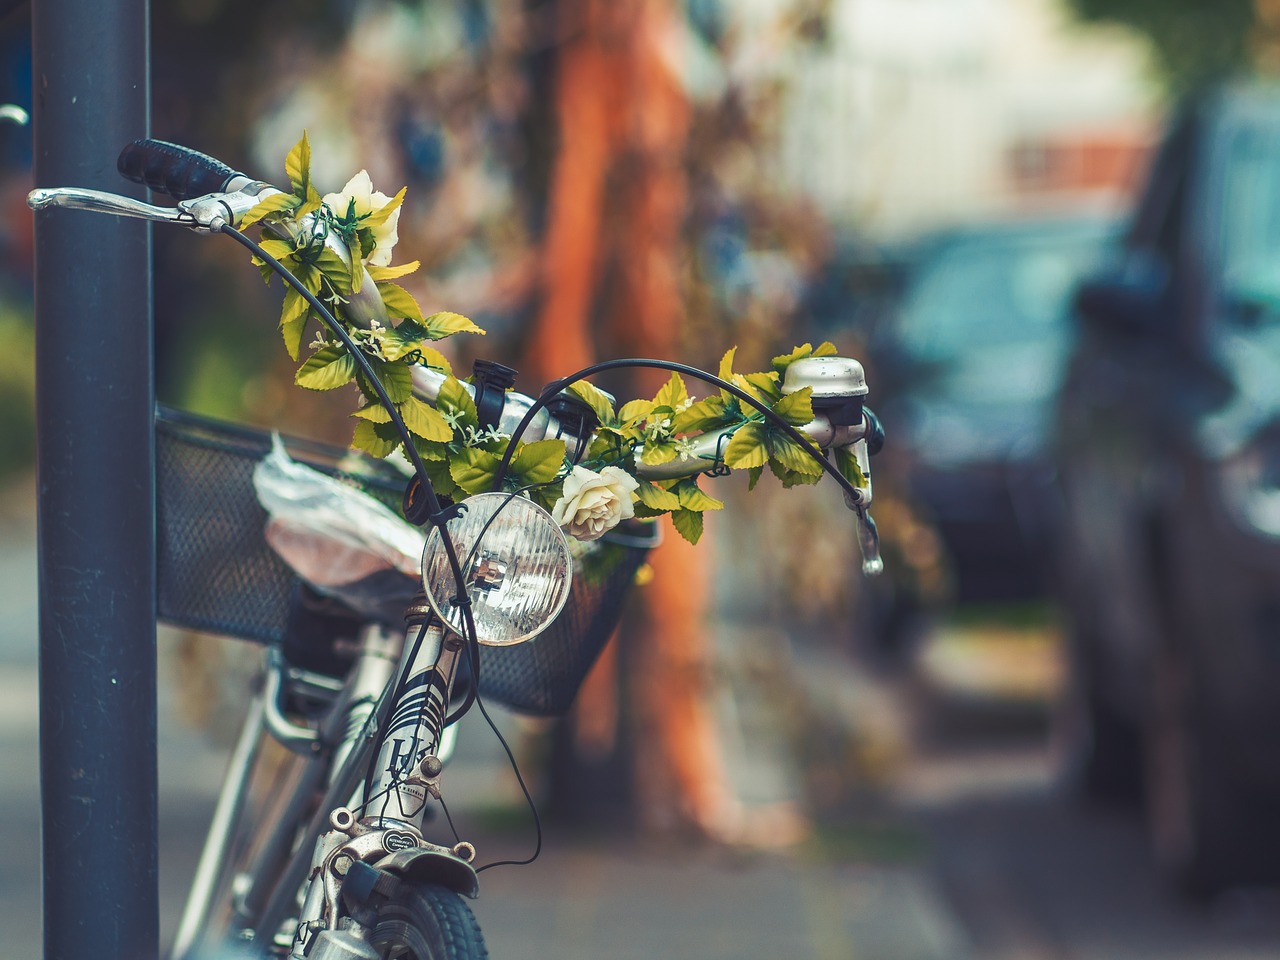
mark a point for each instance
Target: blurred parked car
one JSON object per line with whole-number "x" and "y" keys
{"x": 967, "y": 368}
{"x": 1169, "y": 458}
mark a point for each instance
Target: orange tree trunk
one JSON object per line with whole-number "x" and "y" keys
{"x": 616, "y": 209}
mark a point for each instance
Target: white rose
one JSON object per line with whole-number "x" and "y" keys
{"x": 594, "y": 503}
{"x": 359, "y": 190}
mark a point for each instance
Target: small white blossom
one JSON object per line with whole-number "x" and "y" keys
{"x": 358, "y": 196}
{"x": 656, "y": 431}
{"x": 478, "y": 438}
{"x": 684, "y": 447}
{"x": 592, "y": 503}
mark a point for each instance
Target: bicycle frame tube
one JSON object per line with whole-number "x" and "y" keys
{"x": 348, "y": 725}
{"x": 405, "y": 772}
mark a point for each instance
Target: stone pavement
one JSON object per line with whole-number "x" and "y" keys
{"x": 637, "y": 901}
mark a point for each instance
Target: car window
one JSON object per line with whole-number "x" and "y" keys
{"x": 994, "y": 291}
{"x": 1249, "y": 223}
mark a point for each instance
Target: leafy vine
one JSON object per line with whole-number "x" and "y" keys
{"x": 461, "y": 456}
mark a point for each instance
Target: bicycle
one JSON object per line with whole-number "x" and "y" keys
{"x": 365, "y": 676}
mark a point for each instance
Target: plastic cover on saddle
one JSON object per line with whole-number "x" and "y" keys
{"x": 340, "y": 540}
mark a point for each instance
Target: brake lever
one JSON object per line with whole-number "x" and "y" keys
{"x": 99, "y": 201}
{"x": 207, "y": 214}
{"x": 869, "y": 543}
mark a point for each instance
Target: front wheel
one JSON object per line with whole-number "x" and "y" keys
{"x": 424, "y": 922}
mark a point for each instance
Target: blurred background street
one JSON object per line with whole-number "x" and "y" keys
{"x": 1051, "y": 231}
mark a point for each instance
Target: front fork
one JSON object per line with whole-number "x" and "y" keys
{"x": 384, "y": 826}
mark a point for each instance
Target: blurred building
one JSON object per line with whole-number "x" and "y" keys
{"x": 920, "y": 113}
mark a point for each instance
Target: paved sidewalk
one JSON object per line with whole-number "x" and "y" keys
{"x": 634, "y": 901}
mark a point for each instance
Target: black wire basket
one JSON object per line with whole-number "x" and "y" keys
{"x": 216, "y": 573}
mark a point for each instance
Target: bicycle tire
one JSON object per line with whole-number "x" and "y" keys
{"x": 427, "y": 922}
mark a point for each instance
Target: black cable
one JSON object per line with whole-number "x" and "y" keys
{"x": 435, "y": 513}
{"x": 524, "y": 788}
{"x": 553, "y": 389}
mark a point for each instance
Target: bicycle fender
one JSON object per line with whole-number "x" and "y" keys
{"x": 433, "y": 864}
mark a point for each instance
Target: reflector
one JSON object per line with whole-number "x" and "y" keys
{"x": 516, "y": 561}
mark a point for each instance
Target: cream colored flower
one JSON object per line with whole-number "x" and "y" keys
{"x": 359, "y": 189}
{"x": 594, "y": 503}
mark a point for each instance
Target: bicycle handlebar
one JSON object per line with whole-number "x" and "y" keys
{"x": 211, "y": 195}
{"x": 174, "y": 170}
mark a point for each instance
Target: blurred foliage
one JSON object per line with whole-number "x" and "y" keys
{"x": 454, "y": 101}
{"x": 17, "y": 389}
{"x": 1194, "y": 41}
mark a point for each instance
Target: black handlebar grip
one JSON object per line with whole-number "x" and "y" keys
{"x": 168, "y": 168}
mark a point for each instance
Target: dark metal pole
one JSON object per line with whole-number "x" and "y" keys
{"x": 95, "y": 461}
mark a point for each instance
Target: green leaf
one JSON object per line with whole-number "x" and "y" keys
{"x": 792, "y": 478}
{"x": 753, "y": 477}
{"x": 708, "y": 414}
{"x": 693, "y": 498}
{"x": 379, "y": 273}
{"x": 795, "y": 458}
{"x": 335, "y": 270}
{"x": 805, "y": 350}
{"x": 634, "y": 411}
{"x": 796, "y": 408}
{"x": 311, "y": 204}
{"x": 275, "y": 203}
{"x": 441, "y": 476}
{"x": 538, "y": 462}
{"x": 425, "y": 421}
{"x": 280, "y": 249}
{"x": 474, "y": 470}
{"x": 445, "y": 324}
{"x": 396, "y": 378}
{"x": 654, "y": 454}
{"x": 374, "y": 413}
{"x": 375, "y": 439}
{"x": 595, "y": 398}
{"x": 672, "y": 394}
{"x": 726, "y": 369}
{"x": 411, "y": 337}
{"x": 308, "y": 276}
{"x": 781, "y": 363}
{"x": 643, "y": 512}
{"x": 847, "y": 463}
{"x": 298, "y": 166}
{"x": 402, "y": 340}
{"x": 688, "y": 524}
{"x": 433, "y": 358}
{"x": 546, "y": 496}
{"x": 293, "y": 321}
{"x": 748, "y": 447}
{"x": 378, "y": 217}
{"x": 455, "y": 401}
{"x": 764, "y": 385}
{"x": 429, "y": 450}
{"x": 400, "y": 302}
{"x": 656, "y": 498}
{"x": 326, "y": 369}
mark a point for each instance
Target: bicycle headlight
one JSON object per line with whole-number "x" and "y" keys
{"x": 515, "y": 559}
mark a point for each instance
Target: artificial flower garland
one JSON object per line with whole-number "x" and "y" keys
{"x": 588, "y": 498}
